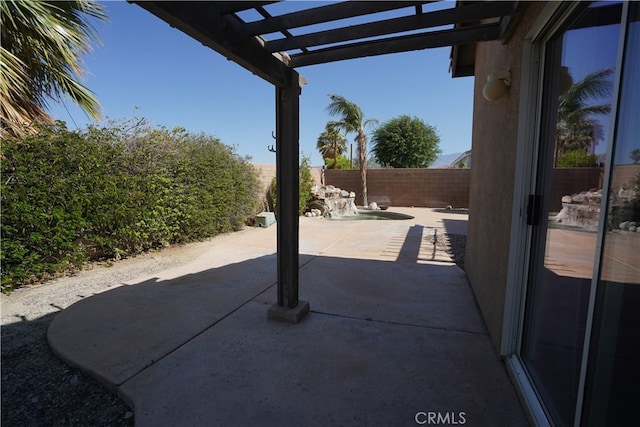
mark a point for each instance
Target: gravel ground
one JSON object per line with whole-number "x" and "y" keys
{"x": 37, "y": 388}
{"x": 455, "y": 246}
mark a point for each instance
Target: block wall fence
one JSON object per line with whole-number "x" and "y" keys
{"x": 568, "y": 181}
{"x": 438, "y": 188}
{"x": 432, "y": 188}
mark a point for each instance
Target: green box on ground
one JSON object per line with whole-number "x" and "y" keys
{"x": 265, "y": 219}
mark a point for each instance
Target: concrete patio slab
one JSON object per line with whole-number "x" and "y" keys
{"x": 435, "y": 296}
{"x": 116, "y": 334}
{"x": 325, "y": 371}
{"x": 393, "y": 331}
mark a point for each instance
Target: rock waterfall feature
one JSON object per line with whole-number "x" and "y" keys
{"x": 332, "y": 202}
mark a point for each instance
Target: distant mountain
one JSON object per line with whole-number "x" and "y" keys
{"x": 444, "y": 160}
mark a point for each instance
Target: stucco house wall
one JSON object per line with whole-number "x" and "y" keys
{"x": 494, "y": 137}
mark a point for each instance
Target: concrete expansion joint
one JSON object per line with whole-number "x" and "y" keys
{"x": 389, "y": 322}
{"x": 171, "y": 351}
{"x": 335, "y": 242}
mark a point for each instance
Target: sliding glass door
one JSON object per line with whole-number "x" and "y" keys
{"x": 565, "y": 206}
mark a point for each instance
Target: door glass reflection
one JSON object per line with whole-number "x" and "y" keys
{"x": 576, "y": 114}
{"x": 613, "y": 380}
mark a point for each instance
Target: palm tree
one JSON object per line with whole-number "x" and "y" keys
{"x": 352, "y": 120}
{"x": 576, "y": 128}
{"x": 331, "y": 142}
{"x": 41, "y": 59}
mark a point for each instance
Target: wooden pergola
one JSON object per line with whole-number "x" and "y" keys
{"x": 272, "y": 39}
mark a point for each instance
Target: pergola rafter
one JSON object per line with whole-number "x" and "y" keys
{"x": 324, "y": 14}
{"x": 418, "y": 21}
{"x": 303, "y": 41}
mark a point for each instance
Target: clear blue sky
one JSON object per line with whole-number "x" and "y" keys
{"x": 175, "y": 81}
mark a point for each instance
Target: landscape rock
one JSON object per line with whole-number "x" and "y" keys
{"x": 578, "y": 198}
{"x": 581, "y": 210}
{"x": 333, "y": 202}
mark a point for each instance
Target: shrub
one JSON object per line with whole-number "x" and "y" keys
{"x": 69, "y": 197}
{"x": 342, "y": 162}
{"x": 305, "y": 187}
{"x": 43, "y": 203}
{"x": 577, "y": 159}
{"x": 306, "y": 184}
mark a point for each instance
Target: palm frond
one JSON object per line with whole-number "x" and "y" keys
{"x": 43, "y": 46}
{"x": 328, "y": 138}
{"x": 593, "y": 86}
{"x": 350, "y": 114}
{"x": 576, "y": 127}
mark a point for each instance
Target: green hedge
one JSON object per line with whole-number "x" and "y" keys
{"x": 305, "y": 181}
{"x": 69, "y": 197}
{"x": 341, "y": 162}
{"x": 577, "y": 159}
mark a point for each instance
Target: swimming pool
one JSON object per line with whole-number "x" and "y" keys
{"x": 372, "y": 215}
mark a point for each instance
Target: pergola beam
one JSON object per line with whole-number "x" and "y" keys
{"x": 238, "y": 6}
{"x": 324, "y": 14}
{"x": 429, "y": 40}
{"x": 203, "y": 22}
{"x": 390, "y": 26}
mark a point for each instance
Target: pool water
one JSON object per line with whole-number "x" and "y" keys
{"x": 373, "y": 215}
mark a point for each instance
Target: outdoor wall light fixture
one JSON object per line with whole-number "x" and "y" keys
{"x": 496, "y": 85}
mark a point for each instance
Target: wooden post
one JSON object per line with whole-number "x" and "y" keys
{"x": 288, "y": 307}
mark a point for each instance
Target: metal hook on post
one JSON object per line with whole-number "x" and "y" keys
{"x": 271, "y": 147}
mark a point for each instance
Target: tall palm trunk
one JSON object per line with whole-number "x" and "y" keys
{"x": 335, "y": 152}
{"x": 352, "y": 120}
{"x": 362, "y": 160}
